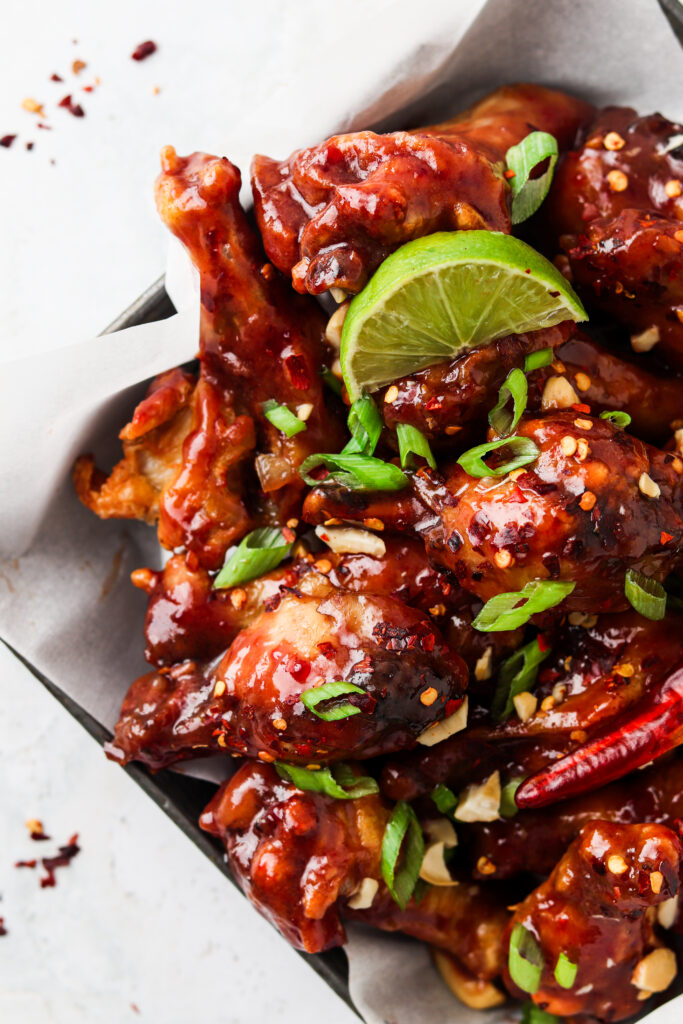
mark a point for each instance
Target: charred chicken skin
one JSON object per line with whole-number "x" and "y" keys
{"x": 250, "y": 702}
{"x": 394, "y": 726}
{"x": 330, "y": 214}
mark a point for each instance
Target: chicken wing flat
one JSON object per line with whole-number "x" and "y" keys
{"x": 330, "y": 214}
{"x": 616, "y": 207}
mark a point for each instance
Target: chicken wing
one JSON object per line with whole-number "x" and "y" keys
{"x": 593, "y": 911}
{"x": 302, "y": 856}
{"x": 616, "y": 207}
{"x": 330, "y": 214}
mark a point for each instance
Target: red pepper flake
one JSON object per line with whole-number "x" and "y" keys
{"x": 45, "y": 127}
{"x": 581, "y": 407}
{"x": 664, "y": 538}
{"x": 56, "y": 78}
{"x": 288, "y": 535}
{"x": 433, "y": 404}
{"x": 518, "y": 496}
{"x": 144, "y": 50}
{"x": 452, "y": 706}
{"x": 7, "y": 140}
{"x": 326, "y": 649}
{"x": 297, "y": 372}
{"x": 509, "y": 174}
{"x": 74, "y": 108}
{"x": 29, "y": 146}
{"x": 61, "y": 860}
{"x": 542, "y": 641}
{"x": 3, "y": 930}
{"x": 25, "y": 863}
{"x": 88, "y": 88}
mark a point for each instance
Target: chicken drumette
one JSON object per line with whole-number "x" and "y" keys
{"x": 616, "y": 207}
{"x": 330, "y": 214}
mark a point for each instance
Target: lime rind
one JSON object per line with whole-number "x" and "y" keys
{"x": 442, "y": 294}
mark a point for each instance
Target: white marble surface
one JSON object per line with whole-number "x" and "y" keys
{"x": 140, "y": 917}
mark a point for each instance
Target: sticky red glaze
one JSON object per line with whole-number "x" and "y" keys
{"x": 535, "y": 840}
{"x": 299, "y": 856}
{"x": 454, "y": 395}
{"x": 581, "y": 665}
{"x": 622, "y": 246}
{"x": 250, "y": 702}
{"x": 598, "y": 918}
{"x": 650, "y": 729}
{"x": 330, "y": 214}
{"x": 537, "y": 518}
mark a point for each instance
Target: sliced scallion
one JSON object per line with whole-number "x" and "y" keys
{"x": 311, "y": 699}
{"x": 354, "y": 471}
{"x": 445, "y": 799}
{"x": 282, "y": 418}
{"x": 513, "y": 387}
{"x": 517, "y": 674}
{"x": 504, "y": 611}
{"x": 646, "y": 595}
{"x": 536, "y": 360}
{"x": 528, "y": 193}
{"x": 365, "y": 426}
{"x": 412, "y": 442}
{"x": 338, "y": 781}
{"x": 258, "y": 553}
{"x": 403, "y": 842}
{"x": 522, "y": 450}
{"x": 618, "y": 418}
{"x": 565, "y": 971}
{"x": 508, "y": 807}
{"x": 525, "y": 960}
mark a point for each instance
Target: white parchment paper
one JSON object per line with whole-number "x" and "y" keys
{"x": 66, "y": 603}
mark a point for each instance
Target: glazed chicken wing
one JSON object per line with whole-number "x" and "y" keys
{"x": 330, "y": 214}
{"x": 593, "y": 909}
{"x": 250, "y": 702}
{"x": 616, "y": 206}
{"x": 301, "y": 857}
{"x": 596, "y": 502}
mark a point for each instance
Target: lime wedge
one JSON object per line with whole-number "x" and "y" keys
{"x": 441, "y": 294}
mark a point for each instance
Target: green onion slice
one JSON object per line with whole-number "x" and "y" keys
{"x": 522, "y": 451}
{"x": 282, "y": 418}
{"x": 258, "y": 553}
{"x": 402, "y": 835}
{"x": 517, "y": 674}
{"x": 565, "y": 971}
{"x": 338, "y": 781}
{"x": 536, "y": 360}
{"x": 333, "y": 383}
{"x": 411, "y": 442}
{"x": 508, "y": 807}
{"x": 502, "y": 611}
{"x": 620, "y": 419}
{"x": 525, "y": 960}
{"x": 365, "y": 426}
{"x": 311, "y": 698}
{"x": 445, "y": 799}
{"x": 532, "y": 1014}
{"x": 354, "y": 471}
{"x": 528, "y": 193}
{"x": 646, "y": 595}
{"x": 513, "y": 387}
